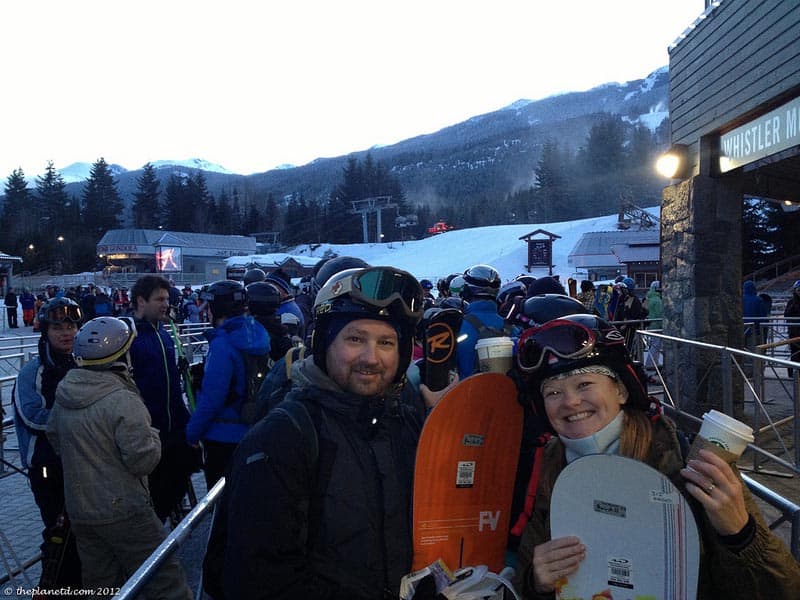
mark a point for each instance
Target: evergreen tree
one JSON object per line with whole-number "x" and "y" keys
{"x": 50, "y": 198}
{"x": 198, "y": 199}
{"x": 551, "y": 191}
{"x": 235, "y": 216}
{"x": 177, "y": 204}
{"x": 343, "y": 226}
{"x": 252, "y": 219}
{"x": 641, "y": 179}
{"x": 49, "y": 204}
{"x": 272, "y": 214}
{"x": 757, "y": 240}
{"x": 361, "y": 182}
{"x": 146, "y": 205}
{"x": 102, "y": 204}
{"x": 601, "y": 164}
{"x": 17, "y": 214}
{"x": 296, "y": 213}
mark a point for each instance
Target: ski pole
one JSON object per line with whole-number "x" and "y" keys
{"x": 183, "y": 365}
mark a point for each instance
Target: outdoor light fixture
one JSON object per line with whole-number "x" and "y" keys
{"x": 674, "y": 164}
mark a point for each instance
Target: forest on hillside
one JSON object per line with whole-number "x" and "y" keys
{"x": 57, "y": 231}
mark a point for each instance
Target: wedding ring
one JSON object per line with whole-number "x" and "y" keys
{"x": 710, "y": 488}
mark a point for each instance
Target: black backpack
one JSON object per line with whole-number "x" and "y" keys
{"x": 214, "y": 560}
{"x": 256, "y": 368}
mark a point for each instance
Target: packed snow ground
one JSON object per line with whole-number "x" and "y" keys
{"x": 437, "y": 256}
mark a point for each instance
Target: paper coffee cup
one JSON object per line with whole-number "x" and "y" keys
{"x": 495, "y": 354}
{"x": 722, "y": 434}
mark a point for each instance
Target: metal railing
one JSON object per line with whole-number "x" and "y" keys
{"x": 172, "y": 542}
{"x": 733, "y": 362}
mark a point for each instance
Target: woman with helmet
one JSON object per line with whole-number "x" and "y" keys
{"x": 101, "y": 428}
{"x": 333, "y": 521}
{"x": 217, "y": 419}
{"x": 34, "y": 394}
{"x": 481, "y": 319}
{"x": 582, "y": 379}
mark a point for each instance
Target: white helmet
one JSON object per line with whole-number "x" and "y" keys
{"x": 103, "y": 340}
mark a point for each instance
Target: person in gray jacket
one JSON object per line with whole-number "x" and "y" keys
{"x": 101, "y": 428}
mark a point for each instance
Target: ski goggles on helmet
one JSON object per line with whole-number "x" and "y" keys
{"x": 62, "y": 313}
{"x": 560, "y": 338}
{"x": 381, "y": 287}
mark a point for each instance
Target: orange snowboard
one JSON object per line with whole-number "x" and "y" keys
{"x": 464, "y": 474}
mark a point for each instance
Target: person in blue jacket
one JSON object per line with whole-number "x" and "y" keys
{"x": 155, "y": 371}
{"x": 34, "y": 395}
{"x": 754, "y": 311}
{"x": 216, "y": 420}
{"x": 481, "y": 284}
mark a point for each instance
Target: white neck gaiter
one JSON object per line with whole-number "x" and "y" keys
{"x": 605, "y": 441}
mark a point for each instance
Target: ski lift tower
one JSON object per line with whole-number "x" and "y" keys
{"x": 368, "y": 205}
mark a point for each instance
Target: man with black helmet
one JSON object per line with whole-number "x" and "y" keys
{"x": 34, "y": 394}
{"x": 217, "y": 419}
{"x": 481, "y": 284}
{"x": 335, "y": 523}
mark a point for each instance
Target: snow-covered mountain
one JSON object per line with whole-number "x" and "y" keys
{"x": 79, "y": 171}
{"x": 191, "y": 163}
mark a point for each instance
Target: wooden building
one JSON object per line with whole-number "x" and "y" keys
{"x": 735, "y": 118}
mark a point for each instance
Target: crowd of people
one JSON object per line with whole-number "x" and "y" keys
{"x": 318, "y": 495}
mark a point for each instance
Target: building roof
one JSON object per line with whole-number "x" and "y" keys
{"x": 9, "y": 258}
{"x": 611, "y": 248}
{"x": 270, "y": 261}
{"x": 145, "y": 241}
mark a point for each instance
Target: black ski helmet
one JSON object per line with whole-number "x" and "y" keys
{"x": 525, "y": 279}
{"x": 454, "y": 302}
{"x": 480, "y": 281}
{"x": 254, "y": 275}
{"x": 403, "y": 309}
{"x": 59, "y": 310}
{"x": 263, "y": 299}
{"x": 226, "y": 298}
{"x": 546, "y": 307}
{"x": 509, "y": 290}
{"x": 332, "y": 266}
{"x": 608, "y": 349}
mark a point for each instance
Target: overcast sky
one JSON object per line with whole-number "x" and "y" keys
{"x": 251, "y": 85}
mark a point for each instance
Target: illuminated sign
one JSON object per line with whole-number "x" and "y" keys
{"x": 169, "y": 259}
{"x": 117, "y": 248}
{"x": 768, "y": 134}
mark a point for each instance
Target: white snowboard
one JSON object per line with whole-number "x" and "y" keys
{"x": 640, "y": 535}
